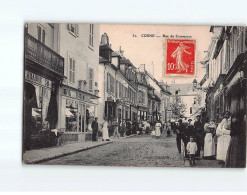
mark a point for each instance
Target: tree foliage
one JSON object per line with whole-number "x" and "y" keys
{"x": 178, "y": 107}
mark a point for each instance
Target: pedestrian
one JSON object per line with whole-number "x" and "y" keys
{"x": 237, "y": 148}
{"x": 116, "y": 131}
{"x": 128, "y": 127}
{"x": 140, "y": 126}
{"x": 191, "y": 150}
{"x": 179, "y": 130}
{"x": 105, "y": 132}
{"x": 223, "y": 137}
{"x": 95, "y": 128}
{"x": 169, "y": 129}
{"x": 144, "y": 126}
{"x": 209, "y": 143}
{"x": 158, "y": 126}
{"x": 153, "y": 129}
{"x": 134, "y": 127}
{"x": 199, "y": 130}
{"x": 190, "y": 129}
{"x": 148, "y": 128}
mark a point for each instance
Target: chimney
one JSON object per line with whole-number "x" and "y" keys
{"x": 104, "y": 39}
{"x": 121, "y": 52}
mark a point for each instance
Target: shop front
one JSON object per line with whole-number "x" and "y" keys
{"x": 37, "y": 94}
{"x": 43, "y": 72}
{"x": 77, "y": 112}
{"x": 142, "y": 113}
{"x": 133, "y": 111}
{"x": 235, "y": 86}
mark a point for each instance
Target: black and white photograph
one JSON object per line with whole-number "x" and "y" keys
{"x": 113, "y": 96}
{"x": 134, "y": 95}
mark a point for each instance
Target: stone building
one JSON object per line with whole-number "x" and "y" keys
{"x": 78, "y": 93}
{"x": 43, "y": 73}
{"x": 226, "y": 71}
{"x": 118, "y": 88}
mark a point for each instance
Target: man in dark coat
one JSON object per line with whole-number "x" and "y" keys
{"x": 190, "y": 129}
{"x": 181, "y": 134}
{"x": 199, "y": 130}
{"x": 95, "y": 127}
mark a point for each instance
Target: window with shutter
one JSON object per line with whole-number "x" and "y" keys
{"x": 91, "y": 35}
{"x": 39, "y": 33}
{"x": 91, "y": 75}
{"x": 116, "y": 89}
{"x": 108, "y": 82}
{"x": 72, "y": 70}
{"x": 43, "y": 36}
{"x": 74, "y": 29}
{"x": 120, "y": 90}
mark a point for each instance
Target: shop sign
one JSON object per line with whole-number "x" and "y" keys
{"x": 81, "y": 97}
{"x": 34, "y": 78}
{"x": 69, "y": 93}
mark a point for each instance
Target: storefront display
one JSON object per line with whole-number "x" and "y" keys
{"x": 40, "y": 89}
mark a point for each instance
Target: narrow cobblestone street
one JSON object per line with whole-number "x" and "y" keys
{"x": 137, "y": 151}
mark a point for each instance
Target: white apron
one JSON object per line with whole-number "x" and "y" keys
{"x": 157, "y": 129}
{"x": 209, "y": 145}
{"x": 223, "y": 140}
{"x": 105, "y": 133}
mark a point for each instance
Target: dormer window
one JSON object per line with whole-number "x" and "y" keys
{"x": 74, "y": 29}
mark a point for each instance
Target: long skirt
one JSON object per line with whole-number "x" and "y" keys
{"x": 222, "y": 147}
{"x": 105, "y": 133}
{"x": 157, "y": 132}
{"x": 236, "y": 154}
{"x": 209, "y": 145}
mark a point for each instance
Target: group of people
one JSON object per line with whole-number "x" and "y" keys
{"x": 225, "y": 141}
{"x": 122, "y": 128}
{"x": 104, "y": 129}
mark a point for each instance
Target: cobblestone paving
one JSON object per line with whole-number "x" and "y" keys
{"x": 137, "y": 151}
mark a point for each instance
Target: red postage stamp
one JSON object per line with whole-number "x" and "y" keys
{"x": 180, "y": 57}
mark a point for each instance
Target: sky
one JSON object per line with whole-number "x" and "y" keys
{"x": 149, "y": 50}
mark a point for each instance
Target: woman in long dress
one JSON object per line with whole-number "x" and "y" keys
{"x": 209, "y": 144}
{"x": 223, "y": 137}
{"x": 237, "y": 149}
{"x": 157, "y": 129}
{"x": 105, "y": 136}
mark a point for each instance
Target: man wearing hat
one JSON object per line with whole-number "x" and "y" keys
{"x": 199, "y": 131}
{"x": 180, "y": 132}
{"x": 95, "y": 127}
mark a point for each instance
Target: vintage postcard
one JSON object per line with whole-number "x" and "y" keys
{"x": 135, "y": 95}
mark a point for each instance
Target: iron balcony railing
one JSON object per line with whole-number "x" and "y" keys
{"x": 43, "y": 55}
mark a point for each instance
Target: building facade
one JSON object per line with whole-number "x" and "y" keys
{"x": 118, "y": 88}
{"x": 186, "y": 94}
{"x": 78, "y": 93}
{"x": 43, "y": 74}
{"x": 226, "y": 72}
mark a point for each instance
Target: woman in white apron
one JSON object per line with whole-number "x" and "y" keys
{"x": 209, "y": 144}
{"x": 224, "y": 138}
{"x": 105, "y": 136}
{"x": 157, "y": 129}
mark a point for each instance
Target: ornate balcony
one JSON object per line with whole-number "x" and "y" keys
{"x": 42, "y": 55}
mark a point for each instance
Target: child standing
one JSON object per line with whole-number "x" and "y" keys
{"x": 191, "y": 150}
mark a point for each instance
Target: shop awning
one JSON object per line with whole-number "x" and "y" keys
{"x": 68, "y": 113}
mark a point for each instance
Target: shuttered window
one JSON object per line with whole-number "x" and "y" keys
{"x": 71, "y": 70}
{"x": 91, "y": 35}
{"x": 91, "y": 78}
